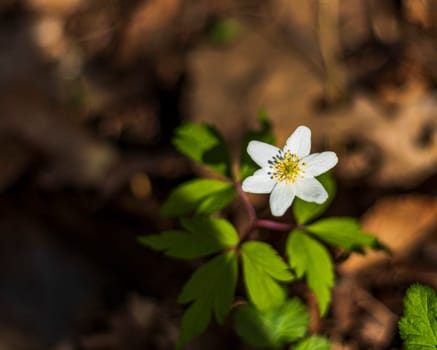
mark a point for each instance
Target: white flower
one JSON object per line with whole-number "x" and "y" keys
{"x": 289, "y": 172}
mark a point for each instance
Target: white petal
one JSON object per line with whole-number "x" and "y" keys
{"x": 260, "y": 182}
{"x": 299, "y": 142}
{"x": 319, "y": 163}
{"x": 281, "y": 198}
{"x": 311, "y": 190}
{"x": 262, "y": 172}
{"x": 261, "y": 152}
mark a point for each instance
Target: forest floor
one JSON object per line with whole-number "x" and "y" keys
{"x": 90, "y": 96}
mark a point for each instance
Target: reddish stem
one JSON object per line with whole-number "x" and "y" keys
{"x": 255, "y": 223}
{"x": 274, "y": 225}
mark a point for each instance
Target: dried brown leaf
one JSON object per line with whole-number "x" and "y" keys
{"x": 401, "y": 223}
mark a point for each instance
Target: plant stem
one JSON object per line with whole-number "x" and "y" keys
{"x": 274, "y": 225}
{"x": 255, "y": 223}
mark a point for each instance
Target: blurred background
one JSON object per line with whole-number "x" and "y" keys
{"x": 90, "y": 94}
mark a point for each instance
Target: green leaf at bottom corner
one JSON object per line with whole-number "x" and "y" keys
{"x": 314, "y": 342}
{"x": 418, "y": 325}
{"x": 274, "y": 327}
{"x": 311, "y": 259}
{"x": 304, "y": 212}
{"x": 211, "y": 290}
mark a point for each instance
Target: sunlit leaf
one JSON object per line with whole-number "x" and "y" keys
{"x": 313, "y": 343}
{"x": 418, "y": 325}
{"x": 263, "y": 268}
{"x": 204, "y": 236}
{"x": 203, "y": 196}
{"x": 216, "y": 201}
{"x": 309, "y": 258}
{"x": 344, "y": 232}
{"x": 205, "y": 145}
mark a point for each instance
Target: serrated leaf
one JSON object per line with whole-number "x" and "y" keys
{"x": 274, "y": 327}
{"x": 305, "y": 212}
{"x": 418, "y": 325}
{"x": 203, "y": 144}
{"x": 216, "y": 201}
{"x": 313, "y": 343}
{"x": 309, "y": 258}
{"x": 203, "y": 196}
{"x": 264, "y": 134}
{"x": 221, "y": 230}
{"x": 194, "y": 322}
{"x": 211, "y": 290}
{"x": 344, "y": 232}
{"x": 262, "y": 269}
{"x": 205, "y": 236}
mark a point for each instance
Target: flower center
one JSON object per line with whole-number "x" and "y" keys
{"x": 285, "y": 167}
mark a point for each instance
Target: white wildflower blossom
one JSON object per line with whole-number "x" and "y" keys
{"x": 289, "y": 172}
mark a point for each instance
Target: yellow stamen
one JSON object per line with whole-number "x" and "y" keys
{"x": 285, "y": 167}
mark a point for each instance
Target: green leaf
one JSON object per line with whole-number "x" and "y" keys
{"x": 344, "y": 232}
{"x": 274, "y": 327}
{"x": 203, "y": 196}
{"x": 211, "y": 290}
{"x": 264, "y": 134}
{"x": 205, "y": 236}
{"x": 304, "y": 212}
{"x": 205, "y": 145}
{"x": 217, "y": 201}
{"x": 418, "y": 325}
{"x": 313, "y": 343}
{"x": 309, "y": 258}
{"x": 262, "y": 268}
{"x": 194, "y": 322}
